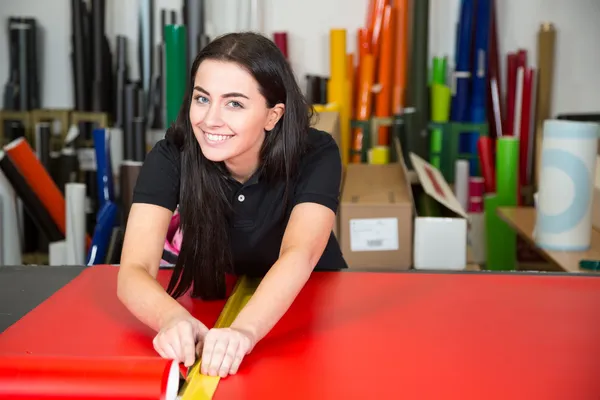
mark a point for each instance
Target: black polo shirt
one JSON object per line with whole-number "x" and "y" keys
{"x": 260, "y": 218}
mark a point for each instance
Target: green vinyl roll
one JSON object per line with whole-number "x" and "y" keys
{"x": 500, "y": 239}
{"x": 507, "y": 170}
{"x": 439, "y": 70}
{"x": 416, "y": 125}
{"x": 175, "y": 69}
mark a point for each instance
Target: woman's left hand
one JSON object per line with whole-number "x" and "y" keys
{"x": 224, "y": 350}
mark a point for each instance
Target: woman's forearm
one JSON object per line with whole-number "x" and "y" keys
{"x": 146, "y": 298}
{"x": 274, "y": 295}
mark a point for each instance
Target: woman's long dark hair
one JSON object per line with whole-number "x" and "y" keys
{"x": 204, "y": 256}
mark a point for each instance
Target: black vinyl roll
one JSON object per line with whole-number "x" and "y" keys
{"x": 80, "y": 59}
{"x": 121, "y": 77}
{"x": 194, "y": 15}
{"x": 131, "y": 111}
{"x": 22, "y": 90}
{"x": 31, "y": 202}
{"x": 139, "y": 139}
{"x": 98, "y": 97}
{"x": 42, "y": 143}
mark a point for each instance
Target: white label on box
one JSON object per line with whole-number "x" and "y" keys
{"x": 374, "y": 234}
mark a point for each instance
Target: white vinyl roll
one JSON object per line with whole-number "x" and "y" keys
{"x": 57, "y": 253}
{"x": 461, "y": 183}
{"x": 565, "y": 193}
{"x": 257, "y": 13}
{"x": 10, "y": 237}
{"x": 75, "y": 221}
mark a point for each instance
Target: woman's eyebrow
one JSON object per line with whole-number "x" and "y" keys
{"x": 226, "y": 95}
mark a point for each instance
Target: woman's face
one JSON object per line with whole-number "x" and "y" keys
{"x": 229, "y": 115}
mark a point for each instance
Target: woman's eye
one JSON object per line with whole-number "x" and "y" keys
{"x": 235, "y": 104}
{"x": 202, "y": 99}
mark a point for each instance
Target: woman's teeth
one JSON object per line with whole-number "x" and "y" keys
{"x": 217, "y": 138}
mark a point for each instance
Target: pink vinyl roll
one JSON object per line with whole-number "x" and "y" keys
{"x": 475, "y": 204}
{"x": 476, "y": 186}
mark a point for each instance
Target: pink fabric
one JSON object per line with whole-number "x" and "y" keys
{"x": 174, "y": 237}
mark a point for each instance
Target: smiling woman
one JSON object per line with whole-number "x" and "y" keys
{"x": 257, "y": 189}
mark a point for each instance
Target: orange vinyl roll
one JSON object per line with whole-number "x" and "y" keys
{"x": 398, "y": 94}
{"x": 370, "y": 22}
{"x": 351, "y": 84}
{"x": 376, "y": 31}
{"x": 364, "y": 100}
{"x": 363, "y": 47}
{"x": 24, "y": 158}
{"x": 383, "y": 106}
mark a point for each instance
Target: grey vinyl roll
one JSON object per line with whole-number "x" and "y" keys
{"x": 194, "y": 15}
{"x": 146, "y": 46}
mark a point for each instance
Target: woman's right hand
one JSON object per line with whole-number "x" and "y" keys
{"x": 179, "y": 338}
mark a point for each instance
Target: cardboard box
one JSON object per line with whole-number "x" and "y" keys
{"x": 329, "y": 121}
{"x": 376, "y": 219}
{"x": 440, "y": 242}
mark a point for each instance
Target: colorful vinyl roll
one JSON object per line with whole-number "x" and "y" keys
{"x": 57, "y": 253}
{"x": 337, "y": 87}
{"x": 417, "y": 137}
{"x": 461, "y": 183}
{"x": 500, "y": 239}
{"x": 564, "y": 204}
{"x": 176, "y": 69}
{"x": 37, "y": 177}
{"x": 105, "y": 222}
{"x": 10, "y": 246}
{"x": 281, "y": 41}
{"x": 476, "y": 186}
{"x": 487, "y": 164}
{"x": 545, "y": 62}
{"x": 507, "y": 170}
{"x": 30, "y": 377}
{"x": 383, "y": 105}
{"x": 476, "y": 236}
{"x": 34, "y": 207}
{"x": 379, "y": 155}
{"x": 104, "y": 173}
{"x": 76, "y": 217}
{"x": 129, "y": 174}
{"x": 399, "y": 93}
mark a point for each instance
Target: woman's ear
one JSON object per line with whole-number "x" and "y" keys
{"x": 274, "y": 115}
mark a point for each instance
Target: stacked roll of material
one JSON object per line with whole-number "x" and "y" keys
{"x": 10, "y": 246}
{"x": 176, "y": 69}
{"x": 129, "y": 174}
{"x": 501, "y": 240}
{"x": 75, "y": 194}
{"x": 568, "y": 168}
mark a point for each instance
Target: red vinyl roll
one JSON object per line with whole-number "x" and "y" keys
{"x": 26, "y": 161}
{"x": 486, "y": 158}
{"x": 34, "y": 377}
{"x": 281, "y": 40}
{"x": 511, "y": 91}
{"x": 86, "y": 319}
{"x": 366, "y": 335}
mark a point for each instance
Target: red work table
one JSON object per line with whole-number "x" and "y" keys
{"x": 375, "y": 335}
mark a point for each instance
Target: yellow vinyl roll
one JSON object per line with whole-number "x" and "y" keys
{"x": 203, "y": 387}
{"x": 338, "y": 90}
{"x": 379, "y": 155}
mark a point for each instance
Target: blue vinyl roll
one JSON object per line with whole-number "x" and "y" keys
{"x": 106, "y": 220}
{"x": 104, "y": 173}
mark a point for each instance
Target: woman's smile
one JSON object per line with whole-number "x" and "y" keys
{"x": 217, "y": 138}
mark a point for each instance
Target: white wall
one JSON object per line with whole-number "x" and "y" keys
{"x": 577, "y": 81}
